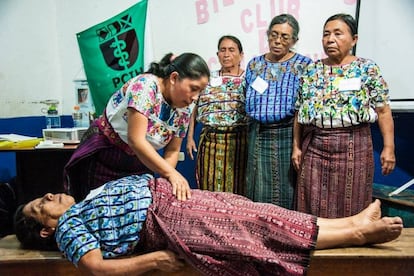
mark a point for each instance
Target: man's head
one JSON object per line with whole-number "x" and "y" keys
{"x": 36, "y": 221}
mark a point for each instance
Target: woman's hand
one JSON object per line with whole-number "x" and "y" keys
{"x": 190, "y": 147}
{"x": 92, "y": 263}
{"x": 168, "y": 261}
{"x": 180, "y": 187}
{"x": 297, "y": 143}
{"x": 386, "y": 125}
{"x": 387, "y": 161}
{"x": 296, "y": 158}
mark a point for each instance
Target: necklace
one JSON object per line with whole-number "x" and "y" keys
{"x": 229, "y": 73}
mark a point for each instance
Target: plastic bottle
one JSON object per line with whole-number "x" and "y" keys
{"x": 52, "y": 119}
{"x": 85, "y": 117}
{"x": 77, "y": 116}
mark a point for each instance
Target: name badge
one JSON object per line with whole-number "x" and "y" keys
{"x": 349, "y": 84}
{"x": 216, "y": 81}
{"x": 260, "y": 85}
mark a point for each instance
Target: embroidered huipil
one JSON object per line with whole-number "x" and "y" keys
{"x": 222, "y": 103}
{"x": 274, "y": 101}
{"x": 341, "y": 96}
{"x": 110, "y": 219}
{"x": 142, "y": 94}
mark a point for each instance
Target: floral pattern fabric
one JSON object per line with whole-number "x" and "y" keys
{"x": 341, "y": 96}
{"x": 110, "y": 220}
{"x": 222, "y": 103}
{"x": 142, "y": 94}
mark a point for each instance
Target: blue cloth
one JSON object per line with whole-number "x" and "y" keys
{"x": 110, "y": 220}
{"x": 277, "y": 101}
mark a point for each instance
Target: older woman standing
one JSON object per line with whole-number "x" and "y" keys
{"x": 339, "y": 97}
{"x": 272, "y": 81}
{"x": 222, "y": 153}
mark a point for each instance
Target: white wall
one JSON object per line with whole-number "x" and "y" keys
{"x": 40, "y": 56}
{"x": 386, "y": 35}
{"x": 29, "y": 64}
{"x": 197, "y": 25}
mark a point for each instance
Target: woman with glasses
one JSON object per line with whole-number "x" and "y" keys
{"x": 340, "y": 96}
{"x": 148, "y": 113}
{"x": 272, "y": 82}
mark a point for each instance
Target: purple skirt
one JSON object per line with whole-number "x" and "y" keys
{"x": 96, "y": 161}
{"x": 227, "y": 234}
{"x": 336, "y": 175}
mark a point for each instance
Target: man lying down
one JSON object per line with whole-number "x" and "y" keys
{"x": 216, "y": 233}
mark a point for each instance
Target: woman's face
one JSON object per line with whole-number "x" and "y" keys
{"x": 337, "y": 40}
{"x": 48, "y": 209}
{"x": 185, "y": 91}
{"x": 229, "y": 54}
{"x": 280, "y": 40}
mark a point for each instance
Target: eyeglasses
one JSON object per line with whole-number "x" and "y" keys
{"x": 284, "y": 38}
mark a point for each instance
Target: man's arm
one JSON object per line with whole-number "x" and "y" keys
{"x": 92, "y": 263}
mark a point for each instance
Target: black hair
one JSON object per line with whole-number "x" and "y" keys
{"x": 347, "y": 19}
{"x": 187, "y": 65}
{"x": 285, "y": 18}
{"x": 27, "y": 231}
{"x": 232, "y": 38}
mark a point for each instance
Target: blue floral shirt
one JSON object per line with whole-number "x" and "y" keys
{"x": 109, "y": 219}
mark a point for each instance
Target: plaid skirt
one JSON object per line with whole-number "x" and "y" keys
{"x": 270, "y": 177}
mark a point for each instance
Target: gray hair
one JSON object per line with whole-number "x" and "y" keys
{"x": 285, "y": 18}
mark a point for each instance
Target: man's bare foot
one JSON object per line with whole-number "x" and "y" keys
{"x": 379, "y": 231}
{"x": 368, "y": 215}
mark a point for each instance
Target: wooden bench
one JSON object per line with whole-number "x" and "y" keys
{"x": 15, "y": 261}
{"x": 393, "y": 258}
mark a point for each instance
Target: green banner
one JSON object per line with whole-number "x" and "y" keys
{"x": 113, "y": 52}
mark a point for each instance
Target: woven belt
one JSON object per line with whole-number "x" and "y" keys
{"x": 287, "y": 122}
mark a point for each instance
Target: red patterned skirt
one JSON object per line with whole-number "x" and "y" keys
{"x": 337, "y": 171}
{"x": 227, "y": 234}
